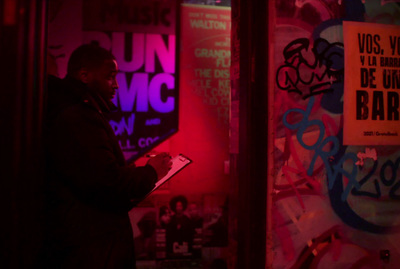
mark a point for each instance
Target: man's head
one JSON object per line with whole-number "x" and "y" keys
{"x": 178, "y": 204}
{"x": 193, "y": 211}
{"x": 96, "y": 67}
{"x": 164, "y": 215}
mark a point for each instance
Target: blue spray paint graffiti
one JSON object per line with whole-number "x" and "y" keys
{"x": 332, "y": 169}
{"x": 338, "y": 193}
{"x": 388, "y": 168}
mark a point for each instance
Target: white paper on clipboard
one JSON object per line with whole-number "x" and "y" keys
{"x": 179, "y": 162}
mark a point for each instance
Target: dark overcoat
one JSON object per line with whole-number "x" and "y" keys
{"x": 90, "y": 188}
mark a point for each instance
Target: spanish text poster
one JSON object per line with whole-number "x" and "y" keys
{"x": 372, "y": 84}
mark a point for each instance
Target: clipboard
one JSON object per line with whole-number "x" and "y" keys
{"x": 179, "y": 162}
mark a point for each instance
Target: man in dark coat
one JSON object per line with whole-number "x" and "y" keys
{"x": 90, "y": 188}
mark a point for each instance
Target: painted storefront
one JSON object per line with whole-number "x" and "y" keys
{"x": 335, "y": 204}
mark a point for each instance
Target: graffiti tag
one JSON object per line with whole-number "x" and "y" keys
{"x": 332, "y": 169}
{"x": 309, "y": 73}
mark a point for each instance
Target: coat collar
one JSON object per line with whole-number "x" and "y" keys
{"x": 80, "y": 92}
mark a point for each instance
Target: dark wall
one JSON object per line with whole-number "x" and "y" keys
{"x": 249, "y": 19}
{"x": 22, "y": 43}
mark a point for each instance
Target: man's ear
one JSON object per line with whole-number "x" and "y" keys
{"x": 83, "y": 75}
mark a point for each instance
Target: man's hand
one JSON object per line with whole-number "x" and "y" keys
{"x": 161, "y": 163}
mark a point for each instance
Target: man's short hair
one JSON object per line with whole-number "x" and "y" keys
{"x": 88, "y": 56}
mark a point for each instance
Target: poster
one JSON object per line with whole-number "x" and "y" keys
{"x": 152, "y": 16}
{"x": 180, "y": 227}
{"x": 372, "y": 84}
{"x": 207, "y": 43}
{"x": 141, "y": 36}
